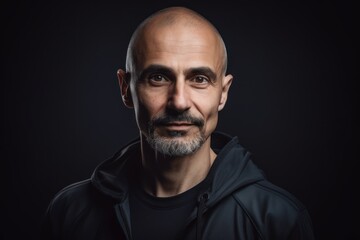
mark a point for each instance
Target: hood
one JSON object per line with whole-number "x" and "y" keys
{"x": 231, "y": 170}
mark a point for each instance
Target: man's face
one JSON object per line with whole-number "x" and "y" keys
{"x": 179, "y": 89}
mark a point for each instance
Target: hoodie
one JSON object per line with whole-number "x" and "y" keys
{"x": 236, "y": 201}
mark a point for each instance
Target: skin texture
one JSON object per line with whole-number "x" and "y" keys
{"x": 175, "y": 72}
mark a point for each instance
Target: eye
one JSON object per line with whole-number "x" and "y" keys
{"x": 200, "y": 81}
{"x": 158, "y": 79}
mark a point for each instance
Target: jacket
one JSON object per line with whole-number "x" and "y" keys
{"x": 238, "y": 202}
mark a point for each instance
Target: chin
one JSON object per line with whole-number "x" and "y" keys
{"x": 176, "y": 143}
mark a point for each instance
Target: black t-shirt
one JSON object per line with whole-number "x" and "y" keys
{"x": 160, "y": 218}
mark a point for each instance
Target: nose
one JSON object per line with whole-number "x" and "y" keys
{"x": 178, "y": 99}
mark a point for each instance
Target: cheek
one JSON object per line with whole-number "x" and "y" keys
{"x": 147, "y": 106}
{"x": 209, "y": 101}
{"x": 211, "y": 120}
{"x": 208, "y": 106}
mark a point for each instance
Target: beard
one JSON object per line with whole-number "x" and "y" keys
{"x": 176, "y": 144}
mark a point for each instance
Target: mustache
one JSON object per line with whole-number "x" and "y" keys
{"x": 166, "y": 119}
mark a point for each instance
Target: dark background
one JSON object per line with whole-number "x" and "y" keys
{"x": 292, "y": 102}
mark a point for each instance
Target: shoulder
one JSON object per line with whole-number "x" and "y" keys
{"x": 78, "y": 211}
{"x": 268, "y": 194}
{"x": 73, "y": 192}
{"x": 273, "y": 210}
{"x": 74, "y": 199}
{"x": 271, "y": 198}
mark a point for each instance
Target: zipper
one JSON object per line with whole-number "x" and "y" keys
{"x": 201, "y": 209}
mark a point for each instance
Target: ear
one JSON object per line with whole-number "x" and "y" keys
{"x": 124, "y": 83}
{"x": 225, "y": 90}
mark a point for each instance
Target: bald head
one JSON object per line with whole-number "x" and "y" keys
{"x": 174, "y": 19}
{"x": 170, "y": 16}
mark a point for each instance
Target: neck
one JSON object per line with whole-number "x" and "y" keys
{"x": 166, "y": 177}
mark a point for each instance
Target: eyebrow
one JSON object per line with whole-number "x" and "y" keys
{"x": 157, "y": 68}
{"x": 202, "y": 71}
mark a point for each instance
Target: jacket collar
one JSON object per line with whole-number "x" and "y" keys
{"x": 231, "y": 170}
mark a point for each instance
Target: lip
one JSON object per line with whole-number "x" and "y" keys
{"x": 178, "y": 126}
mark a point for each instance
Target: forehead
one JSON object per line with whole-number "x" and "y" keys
{"x": 179, "y": 43}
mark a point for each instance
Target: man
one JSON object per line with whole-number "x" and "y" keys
{"x": 180, "y": 179}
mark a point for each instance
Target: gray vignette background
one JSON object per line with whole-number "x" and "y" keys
{"x": 292, "y": 103}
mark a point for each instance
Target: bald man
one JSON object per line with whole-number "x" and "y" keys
{"x": 180, "y": 179}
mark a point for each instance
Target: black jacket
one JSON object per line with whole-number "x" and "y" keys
{"x": 237, "y": 202}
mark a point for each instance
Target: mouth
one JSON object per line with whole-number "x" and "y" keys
{"x": 178, "y": 126}
{"x": 178, "y": 123}
{"x": 175, "y": 126}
